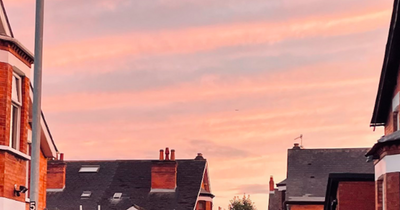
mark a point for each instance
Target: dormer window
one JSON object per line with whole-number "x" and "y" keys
{"x": 15, "y": 119}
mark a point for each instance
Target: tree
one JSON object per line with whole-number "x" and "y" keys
{"x": 241, "y": 204}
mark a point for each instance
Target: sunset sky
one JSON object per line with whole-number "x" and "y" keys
{"x": 236, "y": 80}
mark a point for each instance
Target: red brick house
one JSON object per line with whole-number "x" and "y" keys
{"x": 348, "y": 191}
{"x": 309, "y": 171}
{"x": 386, "y": 152}
{"x": 15, "y": 117}
{"x": 166, "y": 183}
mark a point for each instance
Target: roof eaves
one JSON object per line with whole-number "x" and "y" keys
{"x": 389, "y": 72}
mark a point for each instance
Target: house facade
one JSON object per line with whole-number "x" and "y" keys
{"x": 166, "y": 183}
{"x": 15, "y": 123}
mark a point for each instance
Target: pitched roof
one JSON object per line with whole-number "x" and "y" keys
{"x": 5, "y": 27}
{"x": 132, "y": 178}
{"x": 282, "y": 183}
{"x": 308, "y": 170}
{"x": 389, "y": 72}
{"x": 392, "y": 138}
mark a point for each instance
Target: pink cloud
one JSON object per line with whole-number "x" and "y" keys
{"x": 209, "y": 37}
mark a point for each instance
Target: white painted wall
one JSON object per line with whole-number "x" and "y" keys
{"x": 10, "y": 204}
{"x": 18, "y": 65}
{"x": 388, "y": 164}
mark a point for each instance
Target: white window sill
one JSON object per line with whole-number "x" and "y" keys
{"x": 14, "y": 151}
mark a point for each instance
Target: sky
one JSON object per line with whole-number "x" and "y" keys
{"x": 235, "y": 80}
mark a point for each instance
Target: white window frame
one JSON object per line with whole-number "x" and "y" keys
{"x": 17, "y": 105}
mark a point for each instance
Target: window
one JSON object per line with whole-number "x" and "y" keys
{"x": 201, "y": 205}
{"x": 117, "y": 196}
{"x": 89, "y": 169}
{"x": 86, "y": 194}
{"x": 396, "y": 121}
{"x": 16, "y": 98}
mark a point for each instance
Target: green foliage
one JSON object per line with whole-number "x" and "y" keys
{"x": 241, "y": 203}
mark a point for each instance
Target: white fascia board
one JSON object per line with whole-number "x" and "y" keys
{"x": 49, "y": 150}
{"x": 19, "y": 67}
{"x": 47, "y": 145}
{"x": 156, "y": 190}
{"x": 4, "y": 22}
{"x": 388, "y": 164}
{"x": 306, "y": 198}
{"x": 55, "y": 190}
{"x": 205, "y": 198}
{"x": 281, "y": 188}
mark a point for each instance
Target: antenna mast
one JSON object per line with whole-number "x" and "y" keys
{"x": 301, "y": 139}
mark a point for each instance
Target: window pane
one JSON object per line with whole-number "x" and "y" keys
{"x": 14, "y": 126}
{"x": 16, "y": 89}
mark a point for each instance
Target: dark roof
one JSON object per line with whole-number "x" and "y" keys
{"x": 384, "y": 140}
{"x": 389, "y": 72}
{"x": 274, "y": 200}
{"x": 308, "y": 170}
{"x": 132, "y": 178}
{"x": 333, "y": 183}
{"x": 282, "y": 183}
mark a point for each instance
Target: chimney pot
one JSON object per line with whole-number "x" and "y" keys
{"x": 167, "y": 153}
{"x": 296, "y": 146}
{"x": 271, "y": 185}
{"x": 62, "y": 156}
{"x": 199, "y": 156}
{"x": 172, "y": 154}
{"x": 161, "y": 154}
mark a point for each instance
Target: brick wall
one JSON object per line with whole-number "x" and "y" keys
{"x": 12, "y": 171}
{"x": 391, "y": 190}
{"x": 12, "y": 167}
{"x": 356, "y": 195}
{"x": 56, "y": 174}
{"x": 163, "y": 174}
{"x": 42, "y": 182}
{"x": 5, "y": 102}
{"x": 306, "y": 207}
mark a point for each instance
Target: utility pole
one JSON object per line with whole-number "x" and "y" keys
{"x": 37, "y": 103}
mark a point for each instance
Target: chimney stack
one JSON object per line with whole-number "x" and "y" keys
{"x": 271, "y": 185}
{"x": 56, "y": 170}
{"x": 163, "y": 172}
{"x": 161, "y": 154}
{"x": 296, "y": 146}
{"x": 199, "y": 157}
{"x": 172, "y": 154}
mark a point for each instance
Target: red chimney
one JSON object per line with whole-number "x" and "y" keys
{"x": 56, "y": 174}
{"x": 172, "y": 154}
{"x": 161, "y": 154}
{"x": 271, "y": 185}
{"x": 163, "y": 173}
